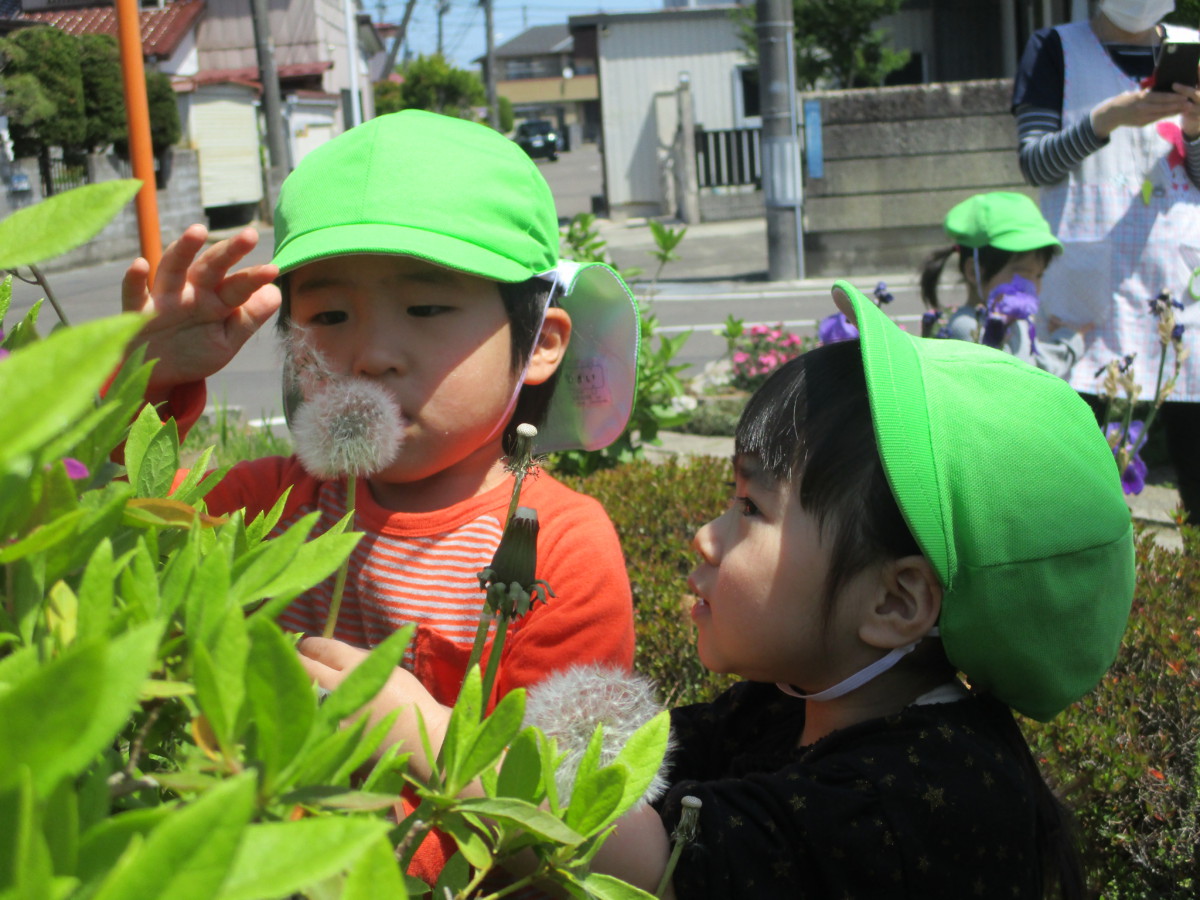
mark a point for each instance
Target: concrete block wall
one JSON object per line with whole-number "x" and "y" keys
{"x": 896, "y": 159}
{"x": 178, "y": 206}
{"x": 721, "y": 205}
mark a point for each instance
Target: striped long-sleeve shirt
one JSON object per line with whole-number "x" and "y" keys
{"x": 1047, "y": 151}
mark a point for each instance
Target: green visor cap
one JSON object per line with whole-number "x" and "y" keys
{"x": 450, "y": 191}
{"x": 1000, "y": 219}
{"x": 1013, "y": 494}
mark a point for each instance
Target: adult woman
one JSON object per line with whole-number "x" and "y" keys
{"x": 1119, "y": 169}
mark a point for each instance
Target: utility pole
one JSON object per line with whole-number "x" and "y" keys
{"x": 780, "y": 143}
{"x": 490, "y": 65}
{"x": 443, "y": 8}
{"x": 351, "y": 10}
{"x": 272, "y": 108}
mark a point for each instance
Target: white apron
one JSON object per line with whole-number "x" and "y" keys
{"x": 1120, "y": 251}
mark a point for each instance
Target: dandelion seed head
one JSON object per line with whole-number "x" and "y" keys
{"x": 305, "y": 370}
{"x": 568, "y": 705}
{"x": 352, "y": 426}
{"x": 526, "y": 430}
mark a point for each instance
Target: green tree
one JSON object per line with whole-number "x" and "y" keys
{"x": 103, "y": 98}
{"x": 432, "y": 83}
{"x": 55, "y": 117}
{"x": 506, "y": 114}
{"x": 1187, "y": 12}
{"x": 837, "y": 44}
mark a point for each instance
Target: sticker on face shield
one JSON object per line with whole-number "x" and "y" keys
{"x": 587, "y": 383}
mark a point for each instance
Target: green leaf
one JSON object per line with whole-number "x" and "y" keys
{"x": 142, "y": 432}
{"x": 199, "y": 480}
{"x": 525, "y": 815}
{"x": 280, "y": 695}
{"x": 595, "y": 799}
{"x": 471, "y": 844}
{"x": 375, "y": 876}
{"x": 324, "y": 756}
{"x": 367, "y": 678}
{"x": 5, "y": 297}
{"x": 96, "y": 591}
{"x": 62, "y": 222}
{"x": 46, "y": 386}
{"x": 220, "y": 667}
{"x": 58, "y": 719}
{"x": 159, "y": 463}
{"x": 488, "y": 742}
{"x": 606, "y": 887}
{"x": 188, "y": 855}
{"x": 642, "y": 757}
{"x": 453, "y": 877}
{"x": 463, "y": 723}
{"x": 336, "y": 798}
{"x": 24, "y": 333}
{"x": 277, "y": 859}
{"x": 103, "y": 844}
{"x": 43, "y": 537}
{"x": 521, "y": 771}
{"x": 27, "y": 867}
{"x": 258, "y": 530}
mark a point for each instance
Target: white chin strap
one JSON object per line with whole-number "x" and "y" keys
{"x": 861, "y": 677}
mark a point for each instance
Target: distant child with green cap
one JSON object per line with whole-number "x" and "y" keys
{"x": 1003, "y": 247}
{"x": 416, "y": 266}
{"x": 923, "y": 536}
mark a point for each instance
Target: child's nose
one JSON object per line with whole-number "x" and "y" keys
{"x": 378, "y": 350}
{"x": 705, "y": 543}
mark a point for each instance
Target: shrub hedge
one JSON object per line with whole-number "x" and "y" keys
{"x": 1126, "y": 757}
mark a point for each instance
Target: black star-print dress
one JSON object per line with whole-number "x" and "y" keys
{"x": 929, "y": 803}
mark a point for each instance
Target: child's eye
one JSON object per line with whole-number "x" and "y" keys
{"x": 746, "y": 506}
{"x": 427, "y": 310}
{"x": 328, "y": 317}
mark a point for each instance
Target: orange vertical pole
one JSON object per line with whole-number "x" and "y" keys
{"x": 137, "y": 116}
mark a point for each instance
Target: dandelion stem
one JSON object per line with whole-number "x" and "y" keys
{"x": 685, "y": 832}
{"x": 339, "y": 586}
{"x": 493, "y": 663}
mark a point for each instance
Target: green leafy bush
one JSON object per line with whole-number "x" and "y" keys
{"x": 657, "y": 509}
{"x": 1128, "y": 754}
{"x": 159, "y": 736}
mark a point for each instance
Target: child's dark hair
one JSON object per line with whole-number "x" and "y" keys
{"x": 810, "y": 426}
{"x": 523, "y": 302}
{"x": 991, "y": 261}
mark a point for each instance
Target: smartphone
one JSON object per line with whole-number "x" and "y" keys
{"x": 1176, "y": 63}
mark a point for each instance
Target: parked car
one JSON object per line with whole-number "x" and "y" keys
{"x": 537, "y": 137}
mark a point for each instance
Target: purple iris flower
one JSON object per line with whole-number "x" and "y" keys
{"x": 1016, "y": 299}
{"x": 882, "y": 294}
{"x": 75, "y": 469}
{"x": 836, "y": 327}
{"x": 1133, "y": 479}
{"x": 1177, "y": 332}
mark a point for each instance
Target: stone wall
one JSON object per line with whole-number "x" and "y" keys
{"x": 178, "y": 207}
{"x": 896, "y": 159}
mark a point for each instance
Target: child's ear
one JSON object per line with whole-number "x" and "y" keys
{"x": 905, "y": 605}
{"x": 551, "y": 346}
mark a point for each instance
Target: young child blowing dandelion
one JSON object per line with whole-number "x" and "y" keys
{"x": 418, "y": 253}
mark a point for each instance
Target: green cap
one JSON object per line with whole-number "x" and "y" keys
{"x": 461, "y": 195}
{"x": 1013, "y": 494}
{"x": 1001, "y": 219}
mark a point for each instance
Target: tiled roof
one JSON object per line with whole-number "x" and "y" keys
{"x": 249, "y": 74}
{"x": 537, "y": 41}
{"x": 162, "y": 29}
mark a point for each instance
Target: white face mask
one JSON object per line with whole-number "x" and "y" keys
{"x": 1135, "y": 15}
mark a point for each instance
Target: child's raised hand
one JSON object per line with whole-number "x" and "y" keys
{"x": 204, "y": 311}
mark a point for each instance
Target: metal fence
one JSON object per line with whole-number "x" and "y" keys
{"x": 729, "y": 156}
{"x": 64, "y": 176}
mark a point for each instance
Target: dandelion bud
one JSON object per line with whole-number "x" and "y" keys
{"x": 569, "y": 705}
{"x": 351, "y": 426}
{"x": 511, "y": 580}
